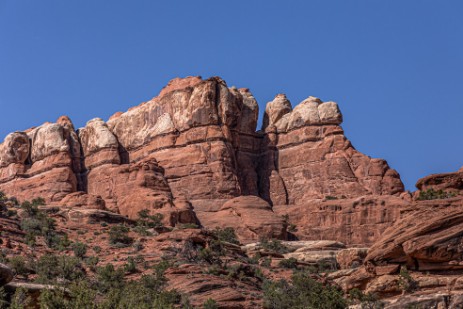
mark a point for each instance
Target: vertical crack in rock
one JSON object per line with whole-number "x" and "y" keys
{"x": 82, "y": 175}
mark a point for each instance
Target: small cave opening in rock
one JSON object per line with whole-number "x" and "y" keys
{"x": 124, "y": 155}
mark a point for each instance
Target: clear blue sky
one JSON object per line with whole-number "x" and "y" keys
{"x": 395, "y": 67}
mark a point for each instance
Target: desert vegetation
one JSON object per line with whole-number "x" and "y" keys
{"x": 432, "y": 194}
{"x": 72, "y": 268}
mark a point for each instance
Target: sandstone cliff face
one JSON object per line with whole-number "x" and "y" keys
{"x": 311, "y": 172}
{"x": 426, "y": 240}
{"x": 428, "y": 235}
{"x": 307, "y": 156}
{"x": 193, "y": 151}
{"x": 38, "y": 163}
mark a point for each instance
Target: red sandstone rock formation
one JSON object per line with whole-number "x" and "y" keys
{"x": 428, "y": 234}
{"x": 312, "y": 173}
{"x": 251, "y": 217}
{"x": 427, "y": 237}
{"x": 447, "y": 181}
{"x": 193, "y": 153}
{"x": 427, "y": 240}
{"x": 38, "y": 163}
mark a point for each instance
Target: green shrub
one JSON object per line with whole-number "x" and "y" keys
{"x": 188, "y": 226}
{"x": 30, "y": 239}
{"x": 366, "y": 301}
{"x": 150, "y": 221}
{"x": 79, "y": 249}
{"x": 77, "y": 295}
{"x": 209, "y": 256}
{"x": 158, "y": 276}
{"x": 189, "y": 251}
{"x": 52, "y": 268}
{"x": 130, "y": 267}
{"x": 432, "y": 194}
{"x": 254, "y": 259}
{"x": 274, "y": 245}
{"x": 266, "y": 262}
{"x": 140, "y": 294}
{"x": 109, "y": 278}
{"x": 210, "y": 304}
{"x": 29, "y": 209}
{"x": 37, "y": 223}
{"x": 135, "y": 294}
{"x": 82, "y": 295}
{"x": 20, "y": 266}
{"x": 20, "y": 299}
{"x": 239, "y": 272}
{"x": 96, "y": 249}
{"x": 39, "y": 201}
{"x": 301, "y": 292}
{"x": 34, "y": 226}
{"x": 406, "y": 282}
{"x": 3, "y": 257}
{"x": 119, "y": 236}
{"x": 214, "y": 270}
{"x": 290, "y": 263}
{"x": 3, "y": 297}
{"x": 292, "y": 228}
{"x": 92, "y": 262}
{"x": 61, "y": 242}
{"x": 53, "y": 299}
{"x": 227, "y": 234}
{"x": 142, "y": 231}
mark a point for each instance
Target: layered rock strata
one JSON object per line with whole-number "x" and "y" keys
{"x": 40, "y": 162}
{"x": 193, "y": 153}
{"x": 418, "y": 260}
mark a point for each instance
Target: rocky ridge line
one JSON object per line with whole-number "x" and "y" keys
{"x": 193, "y": 152}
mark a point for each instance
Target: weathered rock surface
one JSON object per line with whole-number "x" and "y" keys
{"x": 250, "y": 216}
{"x": 435, "y": 300}
{"x": 82, "y": 199}
{"x": 202, "y": 287}
{"x": 6, "y": 274}
{"x": 306, "y": 155}
{"x": 423, "y": 248}
{"x": 194, "y": 149}
{"x": 356, "y": 221}
{"x": 351, "y": 257}
{"x": 312, "y": 252}
{"x": 427, "y": 237}
{"x": 39, "y": 163}
{"x": 446, "y": 181}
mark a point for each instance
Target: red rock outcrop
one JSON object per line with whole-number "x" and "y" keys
{"x": 307, "y": 156}
{"x": 6, "y": 274}
{"x": 427, "y": 237}
{"x": 426, "y": 240}
{"x": 446, "y": 181}
{"x": 251, "y": 217}
{"x": 311, "y": 172}
{"x": 39, "y": 163}
{"x": 358, "y": 221}
{"x": 193, "y": 152}
{"x": 193, "y": 133}
{"x": 428, "y": 234}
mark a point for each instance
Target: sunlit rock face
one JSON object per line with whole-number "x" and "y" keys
{"x": 191, "y": 150}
